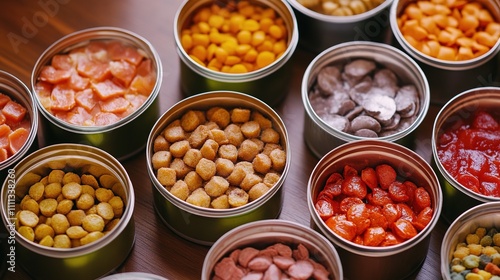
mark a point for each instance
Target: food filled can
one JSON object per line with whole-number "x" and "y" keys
{"x": 14, "y": 90}
{"x": 134, "y": 120}
{"x": 459, "y": 197}
{"x": 260, "y": 235}
{"x": 269, "y": 83}
{"x": 204, "y": 225}
{"x": 448, "y": 77}
{"x": 320, "y": 136}
{"x": 377, "y": 261}
{"x": 92, "y": 260}
{"x": 319, "y": 31}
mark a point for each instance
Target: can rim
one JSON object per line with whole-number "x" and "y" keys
{"x": 74, "y": 40}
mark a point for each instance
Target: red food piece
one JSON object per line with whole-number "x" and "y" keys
{"x": 107, "y": 89}
{"x": 52, "y": 75}
{"x": 17, "y": 139}
{"x": 86, "y": 99}
{"x": 483, "y": 120}
{"x": 406, "y": 212}
{"x": 123, "y": 71}
{"x": 398, "y": 192}
{"x": 391, "y": 212}
{"x": 325, "y": 208}
{"x": 360, "y": 216}
{"x": 423, "y": 218}
{"x": 377, "y": 219}
{"x": 390, "y": 240}
{"x": 349, "y": 171}
{"x": 403, "y": 229}
{"x": 62, "y": 98}
{"x": 354, "y": 186}
{"x": 333, "y": 185}
{"x": 4, "y": 99}
{"x": 78, "y": 82}
{"x": 386, "y": 175}
{"x": 101, "y": 119}
{"x": 344, "y": 228}
{"x": 95, "y": 70}
{"x": 374, "y": 236}
{"x": 422, "y": 199}
{"x": 347, "y": 202}
{"x": 117, "y": 51}
{"x": 369, "y": 176}
{"x": 13, "y": 111}
{"x": 62, "y": 62}
{"x": 379, "y": 197}
{"x": 115, "y": 105}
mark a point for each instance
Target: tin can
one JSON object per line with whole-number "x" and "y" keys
{"x": 205, "y": 225}
{"x": 133, "y": 276}
{"x": 108, "y": 137}
{"x": 457, "y": 198}
{"x": 447, "y": 78}
{"x": 319, "y": 32}
{"x": 261, "y": 234}
{"x": 486, "y": 215}
{"x": 270, "y": 84}
{"x": 18, "y": 91}
{"x": 92, "y": 260}
{"x": 377, "y": 262}
{"x": 321, "y": 137}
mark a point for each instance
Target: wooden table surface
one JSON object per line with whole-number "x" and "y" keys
{"x": 28, "y": 27}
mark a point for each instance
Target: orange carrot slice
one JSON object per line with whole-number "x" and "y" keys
{"x": 17, "y": 139}
{"x": 14, "y": 111}
{"x": 62, "y": 98}
{"x": 107, "y": 89}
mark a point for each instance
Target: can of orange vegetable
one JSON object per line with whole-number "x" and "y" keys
{"x": 220, "y": 45}
{"x": 98, "y": 86}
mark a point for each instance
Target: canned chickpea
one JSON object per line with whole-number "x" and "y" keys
{"x": 60, "y": 222}
{"x": 236, "y": 45}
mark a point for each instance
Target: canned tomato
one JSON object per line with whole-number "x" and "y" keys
{"x": 377, "y": 261}
{"x": 448, "y": 76}
{"x": 183, "y": 180}
{"x": 325, "y": 108}
{"x": 457, "y": 115}
{"x": 98, "y": 86}
{"x": 91, "y": 260}
{"x": 25, "y": 118}
{"x": 268, "y": 81}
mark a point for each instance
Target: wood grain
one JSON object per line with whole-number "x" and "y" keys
{"x": 28, "y": 27}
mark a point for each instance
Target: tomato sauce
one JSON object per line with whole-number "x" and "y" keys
{"x": 15, "y": 126}
{"x": 469, "y": 150}
{"x": 96, "y": 85}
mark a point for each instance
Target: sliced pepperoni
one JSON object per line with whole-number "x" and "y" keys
{"x": 17, "y": 139}
{"x": 13, "y": 111}
{"x": 107, "y": 89}
{"x": 86, "y": 99}
{"x": 122, "y": 70}
{"x": 52, "y": 75}
{"x": 62, "y": 62}
{"x": 115, "y": 105}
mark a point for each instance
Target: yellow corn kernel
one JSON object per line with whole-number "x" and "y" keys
{"x": 232, "y": 60}
{"x": 244, "y": 37}
{"x": 236, "y": 23}
{"x": 275, "y": 31}
{"x": 221, "y": 55}
{"x": 465, "y": 53}
{"x": 225, "y": 68}
{"x": 279, "y": 47}
{"x": 411, "y": 41}
{"x": 250, "y": 25}
{"x": 215, "y": 21}
{"x": 265, "y": 58}
{"x": 215, "y": 37}
{"x": 258, "y": 38}
{"x": 215, "y": 64}
{"x": 200, "y": 40}
{"x": 247, "y": 10}
{"x": 211, "y": 51}
{"x": 265, "y": 23}
{"x": 200, "y": 52}
{"x": 267, "y": 45}
{"x": 242, "y": 49}
{"x": 229, "y": 46}
{"x": 203, "y": 27}
{"x": 268, "y": 13}
{"x": 238, "y": 68}
{"x": 250, "y": 56}
{"x": 202, "y": 15}
{"x": 186, "y": 41}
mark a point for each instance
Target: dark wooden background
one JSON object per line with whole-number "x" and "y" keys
{"x": 28, "y": 27}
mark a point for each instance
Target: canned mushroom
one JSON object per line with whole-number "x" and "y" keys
{"x": 219, "y": 158}
{"x": 71, "y": 208}
{"x": 98, "y": 85}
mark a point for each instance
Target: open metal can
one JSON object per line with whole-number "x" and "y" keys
{"x": 319, "y": 136}
{"x": 19, "y": 92}
{"x": 377, "y": 262}
{"x": 89, "y": 261}
{"x": 261, "y": 234}
{"x": 269, "y": 83}
{"x": 111, "y": 137}
{"x": 456, "y": 197}
{"x": 205, "y": 225}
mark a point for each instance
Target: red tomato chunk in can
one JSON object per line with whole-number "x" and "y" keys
{"x": 469, "y": 151}
{"x": 15, "y": 126}
{"x": 97, "y": 84}
{"x": 372, "y": 207}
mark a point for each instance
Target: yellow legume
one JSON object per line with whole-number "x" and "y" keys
{"x": 265, "y": 58}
